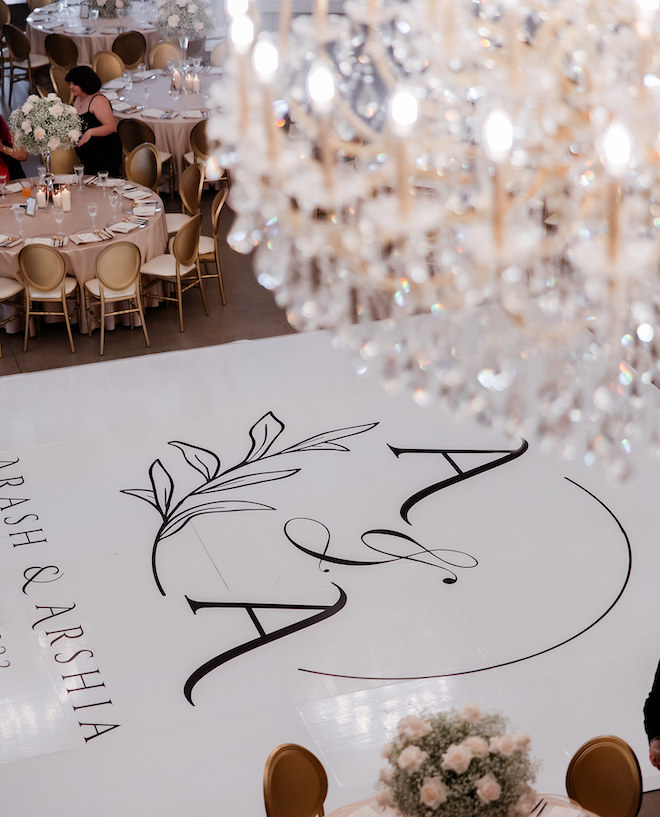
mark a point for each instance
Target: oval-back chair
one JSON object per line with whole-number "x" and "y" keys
{"x": 162, "y": 52}
{"x": 604, "y": 777}
{"x": 61, "y": 50}
{"x": 143, "y": 166}
{"x": 295, "y": 783}
{"x": 131, "y": 46}
{"x": 108, "y": 65}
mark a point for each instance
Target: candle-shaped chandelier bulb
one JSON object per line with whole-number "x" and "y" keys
{"x": 404, "y": 111}
{"x": 616, "y": 148}
{"x": 498, "y": 135}
{"x": 241, "y": 33}
{"x": 321, "y": 87}
{"x": 265, "y": 60}
{"x": 236, "y": 8}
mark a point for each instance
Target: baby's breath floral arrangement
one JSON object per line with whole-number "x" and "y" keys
{"x": 44, "y": 123}
{"x": 108, "y": 8}
{"x": 458, "y": 764}
{"x": 193, "y": 19}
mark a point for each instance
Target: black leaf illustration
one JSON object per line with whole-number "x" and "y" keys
{"x": 142, "y": 493}
{"x": 201, "y": 459}
{"x": 326, "y": 440}
{"x": 263, "y": 434}
{"x": 225, "y": 483}
{"x": 162, "y": 485}
{"x": 180, "y": 519}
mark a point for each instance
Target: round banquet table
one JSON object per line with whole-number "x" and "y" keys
{"x": 547, "y": 806}
{"x": 80, "y": 259}
{"x": 90, "y": 36}
{"x": 150, "y": 95}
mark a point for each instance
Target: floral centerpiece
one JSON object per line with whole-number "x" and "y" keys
{"x": 43, "y": 124}
{"x": 108, "y": 8}
{"x": 458, "y": 764}
{"x": 184, "y": 19}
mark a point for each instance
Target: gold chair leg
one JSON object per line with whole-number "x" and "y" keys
{"x": 144, "y": 323}
{"x": 27, "y": 322}
{"x": 200, "y": 281}
{"x": 68, "y": 323}
{"x": 102, "y": 322}
{"x": 179, "y": 300}
{"x": 219, "y": 271}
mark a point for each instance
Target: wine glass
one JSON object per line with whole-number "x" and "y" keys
{"x": 26, "y": 188}
{"x": 19, "y": 215}
{"x": 103, "y": 180}
{"x": 113, "y": 198}
{"x": 58, "y": 215}
{"x": 174, "y": 93}
{"x": 79, "y": 171}
{"x": 120, "y": 184}
{"x": 92, "y": 209}
{"x": 197, "y": 62}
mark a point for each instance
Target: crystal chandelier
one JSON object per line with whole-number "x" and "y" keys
{"x": 468, "y": 193}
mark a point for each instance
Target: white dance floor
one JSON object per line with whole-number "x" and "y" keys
{"x": 208, "y": 553}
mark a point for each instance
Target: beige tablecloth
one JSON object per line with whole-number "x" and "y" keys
{"x": 38, "y": 25}
{"x": 172, "y": 135}
{"x": 549, "y": 805}
{"x": 80, "y": 259}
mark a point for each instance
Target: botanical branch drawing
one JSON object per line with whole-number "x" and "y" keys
{"x": 175, "y": 512}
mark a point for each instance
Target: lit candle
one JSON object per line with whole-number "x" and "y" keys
{"x": 57, "y": 199}
{"x": 196, "y": 86}
{"x": 266, "y": 60}
{"x": 66, "y": 199}
{"x": 176, "y": 79}
{"x": 189, "y": 82}
{"x": 498, "y": 141}
{"x": 41, "y": 197}
{"x": 617, "y": 152}
{"x": 404, "y": 111}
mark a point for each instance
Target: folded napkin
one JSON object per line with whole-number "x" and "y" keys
{"x": 153, "y": 113}
{"x": 66, "y": 178}
{"x": 147, "y": 208}
{"x": 140, "y": 75}
{"x": 554, "y": 810}
{"x": 15, "y": 187}
{"x": 121, "y": 106}
{"x": 135, "y": 195}
{"x": 192, "y": 114}
{"x": 112, "y": 29}
{"x": 123, "y": 227}
{"x": 51, "y": 25}
{"x": 366, "y": 811}
{"x": 85, "y": 238}
{"x": 40, "y": 240}
{"x": 115, "y": 83}
{"x": 110, "y": 94}
{"x": 211, "y": 69}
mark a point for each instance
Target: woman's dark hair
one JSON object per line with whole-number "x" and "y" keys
{"x": 87, "y": 80}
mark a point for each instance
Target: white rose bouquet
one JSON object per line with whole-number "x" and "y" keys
{"x": 108, "y": 8}
{"x": 44, "y": 123}
{"x": 193, "y": 19}
{"x": 458, "y": 764}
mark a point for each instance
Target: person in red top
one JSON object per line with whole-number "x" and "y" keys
{"x": 10, "y": 156}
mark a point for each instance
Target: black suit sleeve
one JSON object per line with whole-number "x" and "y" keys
{"x": 652, "y": 708}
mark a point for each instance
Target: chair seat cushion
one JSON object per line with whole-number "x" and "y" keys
{"x": 206, "y": 245}
{"x": 36, "y": 61}
{"x": 164, "y": 156}
{"x": 9, "y": 287}
{"x": 70, "y": 285}
{"x": 164, "y": 266}
{"x": 189, "y": 157}
{"x": 175, "y": 221}
{"x": 94, "y": 286}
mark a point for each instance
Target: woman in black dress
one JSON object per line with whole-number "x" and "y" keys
{"x": 99, "y": 147}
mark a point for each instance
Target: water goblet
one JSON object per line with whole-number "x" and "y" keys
{"x": 174, "y": 93}
{"x": 103, "y": 180}
{"x": 79, "y": 170}
{"x": 92, "y": 209}
{"x": 58, "y": 215}
{"x": 19, "y": 215}
{"x": 113, "y": 198}
{"x": 120, "y": 184}
{"x": 197, "y": 62}
{"x": 170, "y": 64}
